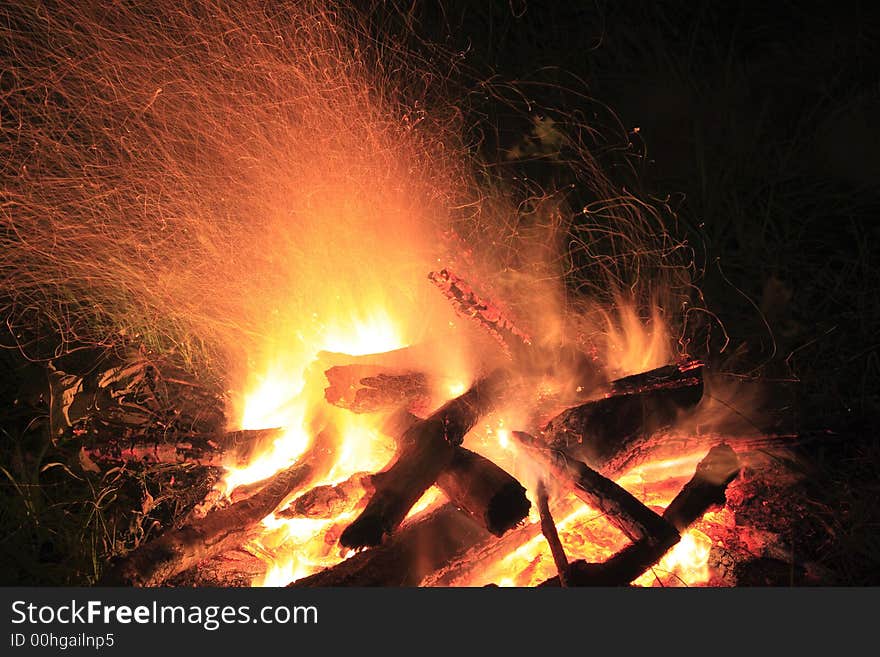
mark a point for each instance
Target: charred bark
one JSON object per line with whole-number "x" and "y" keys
{"x": 598, "y": 431}
{"x": 233, "y": 448}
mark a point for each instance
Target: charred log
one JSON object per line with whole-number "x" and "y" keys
{"x": 621, "y": 508}
{"x": 420, "y": 547}
{"x": 598, "y": 431}
{"x": 704, "y": 491}
{"x": 233, "y": 448}
{"x": 221, "y": 529}
{"x": 475, "y": 484}
{"x": 484, "y": 490}
{"x": 425, "y": 451}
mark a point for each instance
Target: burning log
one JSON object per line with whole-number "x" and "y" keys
{"x": 221, "y": 529}
{"x": 233, "y": 448}
{"x": 468, "y": 303}
{"x": 484, "y": 490}
{"x": 565, "y": 360}
{"x": 371, "y": 388}
{"x": 623, "y": 510}
{"x": 464, "y": 567}
{"x": 666, "y": 377}
{"x": 705, "y": 490}
{"x": 422, "y": 545}
{"x": 327, "y": 501}
{"x": 473, "y": 483}
{"x": 619, "y": 452}
{"x": 426, "y": 449}
{"x": 598, "y": 431}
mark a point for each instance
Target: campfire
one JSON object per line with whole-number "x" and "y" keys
{"x": 388, "y": 363}
{"x": 389, "y": 475}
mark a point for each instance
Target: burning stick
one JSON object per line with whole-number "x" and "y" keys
{"x": 234, "y": 447}
{"x": 426, "y": 450}
{"x": 548, "y": 528}
{"x": 705, "y": 490}
{"x": 221, "y": 529}
{"x": 623, "y": 510}
{"x": 669, "y": 377}
{"x": 516, "y": 343}
{"x": 422, "y": 545}
{"x": 486, "y": 314}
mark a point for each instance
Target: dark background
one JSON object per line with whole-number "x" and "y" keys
{"x": 759, "y": 123}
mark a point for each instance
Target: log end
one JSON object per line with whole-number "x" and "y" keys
{"x": 719, "y": 467}
{"x": 507, "y": 508}
{"x": 369, "y": 530}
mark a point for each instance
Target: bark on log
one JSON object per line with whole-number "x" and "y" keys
{"x": 422, "y": 545}
{"x": 328, "y": 501}
{"x": 705, "y": 490}
{"x": 621, "y": 508}
{"x": 221, "y": 529}
{"x": 371, "y": 388}
{"x": 233, "y": 448}
{"x": 598, "y": 431}
{"x": 426, "y": 450}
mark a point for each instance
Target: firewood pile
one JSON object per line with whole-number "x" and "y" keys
{"x": 601, "y": 430}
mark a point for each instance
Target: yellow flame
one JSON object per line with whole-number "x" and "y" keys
{"x": 283, "y": 397}
{"x": 371, "y": 334}
{"x": 687, "y": 563}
